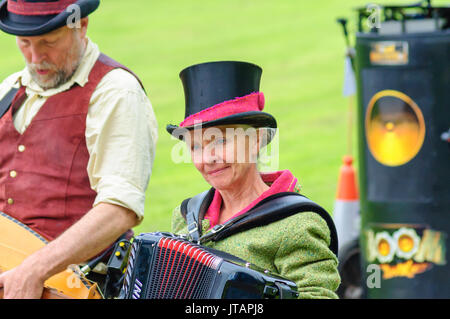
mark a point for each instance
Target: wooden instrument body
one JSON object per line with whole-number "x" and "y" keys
{"x": 17, "y": 242}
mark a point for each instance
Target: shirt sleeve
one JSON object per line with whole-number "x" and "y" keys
{"x": 121, "y": 135}
{"x": 9, "y": 83}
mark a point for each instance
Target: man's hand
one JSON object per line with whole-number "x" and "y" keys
{"x": 94, "y": 232}
{"x": 22, "y": 282}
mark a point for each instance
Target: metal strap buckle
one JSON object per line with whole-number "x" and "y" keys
{"x": 217, "y": 228}
{"x": 192, "y": 227}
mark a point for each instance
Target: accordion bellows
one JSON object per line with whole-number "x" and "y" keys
{"x": 164, "y": 266}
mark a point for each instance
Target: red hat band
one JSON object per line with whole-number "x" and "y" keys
{"x": 37, "y": 8}
{"x": 252, "y": 102}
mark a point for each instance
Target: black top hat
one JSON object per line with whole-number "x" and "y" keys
{"x": 226, "y": 92}
{"x": 38, "y": 17}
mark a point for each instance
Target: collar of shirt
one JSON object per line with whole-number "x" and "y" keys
{"x": 80, "y": 76}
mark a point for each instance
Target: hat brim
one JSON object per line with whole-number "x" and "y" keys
{"x": 21, "y": 25}
{"x": 254, "y": 118}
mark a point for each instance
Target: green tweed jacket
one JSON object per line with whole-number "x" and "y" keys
{"x": 295, "y": 248}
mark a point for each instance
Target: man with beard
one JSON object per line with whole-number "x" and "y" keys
{"x": 77, "y": 141}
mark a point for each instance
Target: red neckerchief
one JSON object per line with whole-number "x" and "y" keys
{"x": 281, "y": 181}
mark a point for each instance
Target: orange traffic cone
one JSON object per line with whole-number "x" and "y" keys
{"x": 346, "y": 210}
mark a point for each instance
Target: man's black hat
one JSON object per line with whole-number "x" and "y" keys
{"x": 38, "y": 17}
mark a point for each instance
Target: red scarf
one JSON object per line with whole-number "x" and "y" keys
{"x": 282, "y": 181}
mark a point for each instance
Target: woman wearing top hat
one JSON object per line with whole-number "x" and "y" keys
{"x": 224, "y": 127}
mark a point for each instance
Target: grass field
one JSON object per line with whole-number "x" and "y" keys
{"x": 297, "y": 43}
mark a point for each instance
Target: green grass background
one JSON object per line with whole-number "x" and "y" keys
{"x": 298, "y": 44}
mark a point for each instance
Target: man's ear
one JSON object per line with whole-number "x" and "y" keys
{"x": 84, "y": 25}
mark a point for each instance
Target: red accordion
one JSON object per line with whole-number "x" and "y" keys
{"x": 165, "y": 266}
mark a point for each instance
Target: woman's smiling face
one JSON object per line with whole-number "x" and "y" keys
{"x": 224, "y": 155}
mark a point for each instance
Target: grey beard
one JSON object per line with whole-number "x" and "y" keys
{"x": 57, "y": 80}
{"x": 61, "y": 76}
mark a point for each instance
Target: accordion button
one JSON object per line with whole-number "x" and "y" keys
{"x": 270, "y": 291}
